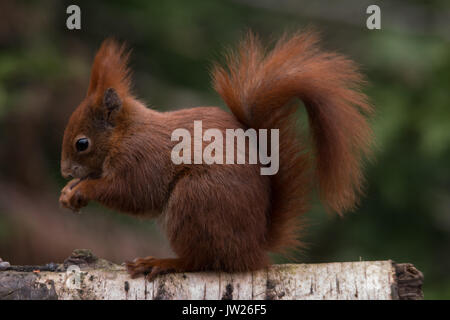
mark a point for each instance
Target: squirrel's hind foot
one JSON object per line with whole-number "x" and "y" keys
{"x": 152, "y": 267}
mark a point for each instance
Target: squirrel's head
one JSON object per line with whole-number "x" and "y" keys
{"x": 89, "y": 135}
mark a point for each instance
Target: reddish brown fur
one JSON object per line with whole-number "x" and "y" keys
{"x": 258, "y": 84}
{"x": 222, "y": 217}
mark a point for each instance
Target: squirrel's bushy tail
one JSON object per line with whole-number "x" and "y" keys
{"x": 259, "y": 87}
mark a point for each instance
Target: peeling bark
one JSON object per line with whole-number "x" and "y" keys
{"x": 84, "y": 276}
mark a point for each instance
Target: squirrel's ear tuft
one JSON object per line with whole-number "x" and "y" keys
{"x": 110, "y": 70}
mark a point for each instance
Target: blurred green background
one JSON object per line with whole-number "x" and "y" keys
{"x": 44, "y": 72}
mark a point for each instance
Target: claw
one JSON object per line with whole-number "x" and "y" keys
{"x": 158, "y": 271}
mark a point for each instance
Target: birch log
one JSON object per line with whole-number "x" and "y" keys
{"x": 83, "y": 276}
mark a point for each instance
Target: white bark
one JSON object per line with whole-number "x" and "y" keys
{"x": 347, "y": 280}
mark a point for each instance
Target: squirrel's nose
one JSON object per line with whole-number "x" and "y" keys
{"x": 67, "y": 176}
{"x": 66, "y": 172}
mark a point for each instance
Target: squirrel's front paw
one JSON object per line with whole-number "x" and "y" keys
{"x": 72, "y": 197}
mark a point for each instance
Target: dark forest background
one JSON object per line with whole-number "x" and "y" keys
{"x": 44, "y": 72}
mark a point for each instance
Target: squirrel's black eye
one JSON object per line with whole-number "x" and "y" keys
{"x": 82, "y": 144}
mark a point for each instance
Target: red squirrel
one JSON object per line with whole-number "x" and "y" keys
{"x": 222, "y": 217}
